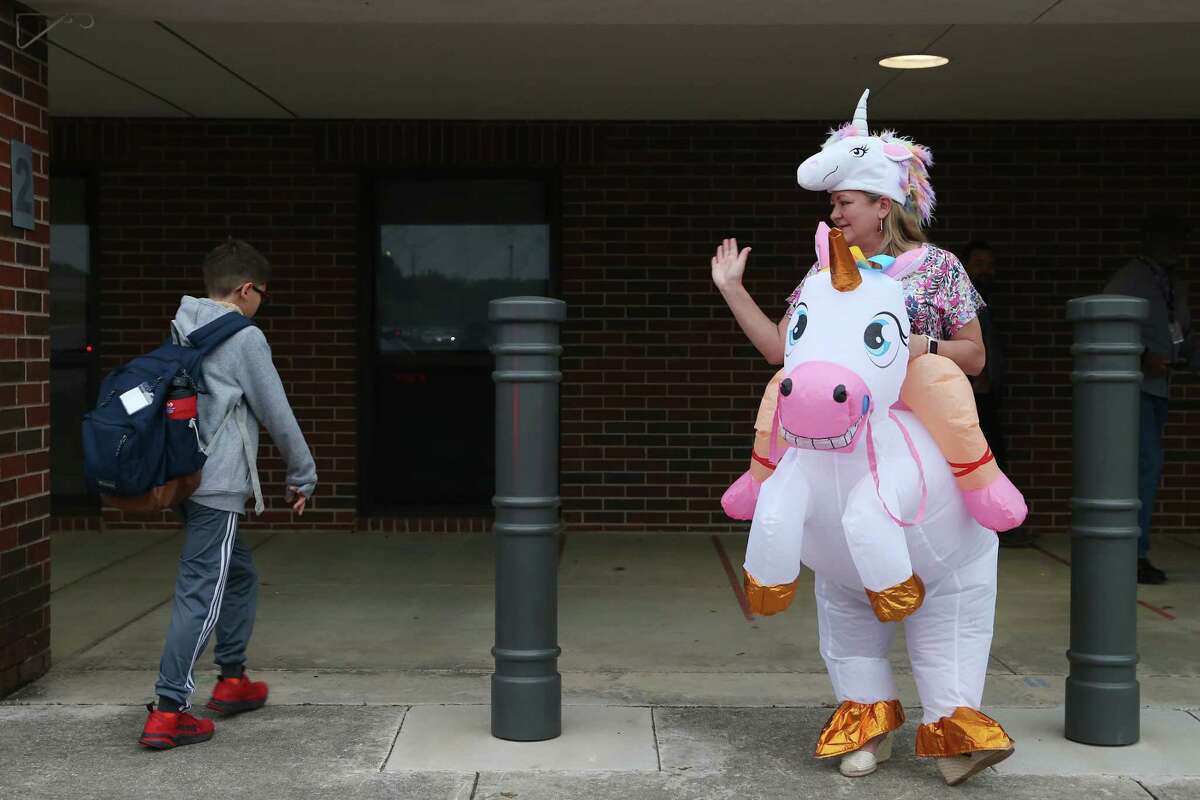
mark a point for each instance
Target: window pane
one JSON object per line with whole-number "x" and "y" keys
{"x": 446, "y": 248}
{"x": 70, "y": 264}
{"x": 71, "y": 387}
{"x": 69, "y": 399}
{"x": 434, "y": 437}
{"x": 434, "y": 281}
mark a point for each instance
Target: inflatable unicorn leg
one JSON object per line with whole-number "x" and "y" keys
{"x": 940, "y": 395}
{"x": 772, "y": 562}
{"x": 741, "y": 497}
{"x": 948, "y": 644}
{"x": 854, "y": 645}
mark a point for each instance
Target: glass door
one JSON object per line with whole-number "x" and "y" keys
{"x": 72, "y": 340}
{"x": 443, "y": 249}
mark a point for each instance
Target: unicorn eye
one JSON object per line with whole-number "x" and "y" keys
{"x": 858, "y": 152}
{"x": 799, "y": 324}
{"x": 882, "y": 338}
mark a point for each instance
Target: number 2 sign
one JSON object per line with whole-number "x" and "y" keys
{"x": 21, "y": 185}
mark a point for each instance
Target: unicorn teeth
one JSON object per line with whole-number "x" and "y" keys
{"x": 824, "y": 442}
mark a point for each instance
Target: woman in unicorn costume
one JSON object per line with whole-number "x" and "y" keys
{"x": 863, "y": 495}
{"x": 863, "y": 499}
{"x": 882, "y": 199}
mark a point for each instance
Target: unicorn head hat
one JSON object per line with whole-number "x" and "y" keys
{"x": 884, "y": 164}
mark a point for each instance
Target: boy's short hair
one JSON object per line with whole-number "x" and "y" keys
{"x": 231, "y": 264}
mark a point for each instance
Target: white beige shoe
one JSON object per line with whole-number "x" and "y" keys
{"x": 958, "y": 769}
{"x": 861, "y": 762}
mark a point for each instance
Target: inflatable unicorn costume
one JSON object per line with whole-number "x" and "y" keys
{"x": 864, "y": 499}
{"x": 936, "y": 389}
{"x": 869, "y": 492}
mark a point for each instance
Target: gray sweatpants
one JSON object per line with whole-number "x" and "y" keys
{"x": 216, "y": 589}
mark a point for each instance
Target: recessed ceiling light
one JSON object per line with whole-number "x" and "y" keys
{"x": 915, "y": 61}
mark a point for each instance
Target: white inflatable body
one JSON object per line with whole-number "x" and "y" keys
{"x": 821, "y": 509}
{"x": 865, "y": 499}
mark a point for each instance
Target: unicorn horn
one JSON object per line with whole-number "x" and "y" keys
{"x": 842, "y": 270}
{"x": 860, "y": 114}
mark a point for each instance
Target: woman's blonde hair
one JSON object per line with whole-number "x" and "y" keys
{"x": 901, "y": 229}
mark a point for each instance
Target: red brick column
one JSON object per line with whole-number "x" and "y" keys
{"x": 24, "y": 368}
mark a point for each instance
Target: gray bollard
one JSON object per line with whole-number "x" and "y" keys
{"x": 526, "y": 686}
{"x": 1102, "y": 696}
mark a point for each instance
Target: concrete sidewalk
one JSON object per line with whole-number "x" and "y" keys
{"x": 376, "y": 648}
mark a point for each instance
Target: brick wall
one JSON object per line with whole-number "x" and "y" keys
{"x": 166, "y": 194}
{"x": 24, "y": 370}
{"x": 660, "y": 386}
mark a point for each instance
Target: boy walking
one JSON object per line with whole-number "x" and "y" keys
{"x": 216, "y": 588}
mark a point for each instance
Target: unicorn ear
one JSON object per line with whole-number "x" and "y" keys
{"x": 896, "y": 152}
{"x": 822, "y": 243}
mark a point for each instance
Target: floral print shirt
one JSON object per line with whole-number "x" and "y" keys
{"x": 940, "y": 297}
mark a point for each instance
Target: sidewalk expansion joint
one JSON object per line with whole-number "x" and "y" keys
{"x": 654, "y": 732}
{"x": 400, "y": 727}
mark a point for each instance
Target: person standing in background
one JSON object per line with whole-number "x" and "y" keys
{"x": 1155, "y": 275}
{"x": 991, "y": 385}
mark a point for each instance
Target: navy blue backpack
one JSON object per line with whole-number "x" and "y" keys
{"x": 141, "y": 444}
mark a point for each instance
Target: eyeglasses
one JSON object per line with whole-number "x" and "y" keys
{"x": 261, "y": 292}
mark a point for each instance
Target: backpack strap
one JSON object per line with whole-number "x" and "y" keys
{"x": 251, "y": 460}
{"x": 206, "y": 338}
{"x": 202, "y": 341}
{"x": 238, "y": 414}
{"x": 207, "y": 448}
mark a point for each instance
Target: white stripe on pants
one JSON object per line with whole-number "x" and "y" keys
{"x": 204, "y": 567}
{"x": 214, "y": 609}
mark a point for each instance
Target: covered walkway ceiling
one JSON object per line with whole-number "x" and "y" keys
{"x": 624, "y": 59}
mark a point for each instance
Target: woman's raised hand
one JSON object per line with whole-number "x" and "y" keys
{"x": 728, "y": 264}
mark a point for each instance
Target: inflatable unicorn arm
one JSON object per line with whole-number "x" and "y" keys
{"x": 774, "y": 547}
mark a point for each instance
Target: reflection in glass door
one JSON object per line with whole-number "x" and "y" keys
{"x": 72, "y": 339}
{"x": 443, "y": 250}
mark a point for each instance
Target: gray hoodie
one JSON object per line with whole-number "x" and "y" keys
{"x": 242, "y": 391}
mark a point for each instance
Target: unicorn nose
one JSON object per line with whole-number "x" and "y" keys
{"x": 839, "y": 393}
{"x": 785, "y": 388}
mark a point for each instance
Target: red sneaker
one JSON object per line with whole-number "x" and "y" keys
{"x": 166, "y": 729}
{"x": 235, "y": 695}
